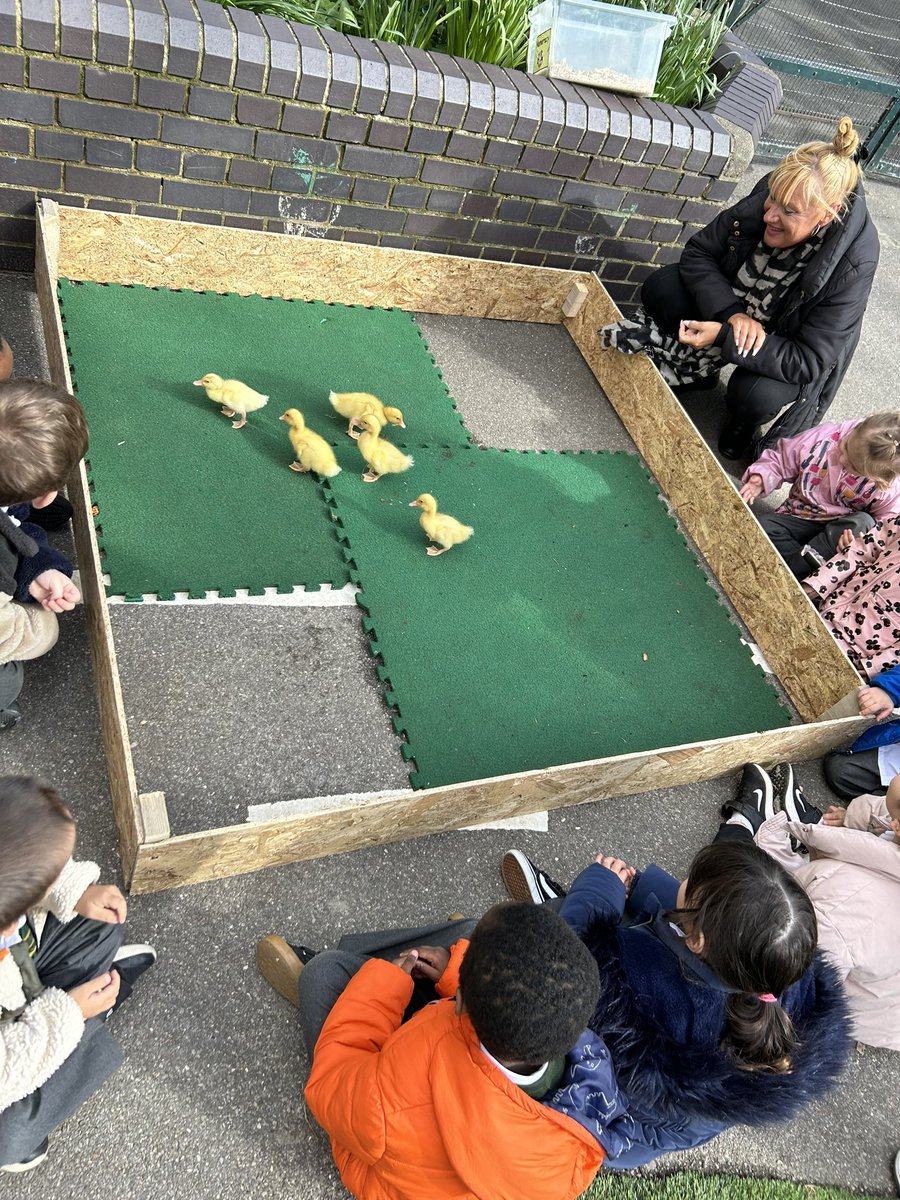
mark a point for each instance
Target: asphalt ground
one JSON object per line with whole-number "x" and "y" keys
{"x": 209, "y": 1101}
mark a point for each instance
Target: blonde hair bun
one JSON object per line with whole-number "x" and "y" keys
{"x": 846, "y": 140}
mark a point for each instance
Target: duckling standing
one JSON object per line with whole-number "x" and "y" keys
{"x": 313, "y": 452}
{"x": 440, "y": 528}
{"x": 357, "y": 405}
{"x": 382, "y": 457}
{"x": 234, "y": 396}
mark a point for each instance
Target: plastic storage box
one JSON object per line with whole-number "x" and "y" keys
{"x": 602, "y": 45}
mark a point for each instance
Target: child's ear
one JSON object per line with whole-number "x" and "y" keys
{"x": 458, "y": 1007}
{"x": 695, "y": 943}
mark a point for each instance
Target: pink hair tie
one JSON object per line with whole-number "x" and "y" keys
{"x": 767, "y": 998}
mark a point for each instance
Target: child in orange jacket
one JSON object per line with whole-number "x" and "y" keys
{"x": 492, "y": 1091}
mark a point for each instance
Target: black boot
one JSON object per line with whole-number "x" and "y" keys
{"x": 736, "y": 438}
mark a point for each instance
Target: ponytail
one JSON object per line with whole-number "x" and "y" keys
{"x": 759, "y": 1034}
{"x": 879, "y": 441}
{"x": 756, "y": 930}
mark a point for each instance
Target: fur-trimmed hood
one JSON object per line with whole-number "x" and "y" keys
{"x": 665, "y": 1041}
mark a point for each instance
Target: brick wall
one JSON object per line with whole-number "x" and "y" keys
{"x": 185, "y": 110}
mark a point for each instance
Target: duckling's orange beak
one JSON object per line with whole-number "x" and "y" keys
{"x": 413, "y": 504}
{"x": 198, "y": 383}
{"x": 402, "y": 424}
{"x": 283, "y": 417}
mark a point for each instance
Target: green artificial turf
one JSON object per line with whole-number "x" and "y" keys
{"x": 575, "y": 624}
{"x": 185, "y": 502}
{"x": 691, "y": 1185}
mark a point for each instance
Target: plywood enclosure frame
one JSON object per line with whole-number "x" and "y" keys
{"x": 116, "y": 248}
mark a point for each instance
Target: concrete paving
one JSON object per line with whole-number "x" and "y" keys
{"x": 209, "y": 1101}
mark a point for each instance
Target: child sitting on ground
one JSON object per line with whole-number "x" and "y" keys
{"x": 844, "y": 478}
{"x": 494, "y": 1090}
{"x": 852, "y": 879}
{"x": 60, "y": 934}
{"x": 43, "y": 435}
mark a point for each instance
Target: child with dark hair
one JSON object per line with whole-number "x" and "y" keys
{"x": 63, "y": 968}
{"x": 494, "y": 1089}
{"x": 43, "y": 435}
{"x": 714, "y": 1002}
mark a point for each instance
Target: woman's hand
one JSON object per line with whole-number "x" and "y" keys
{"x": 834, "y": 816}
{"x": 749, "y": 335}
{"x": 699, "y": 334}
{"x": 752, "y": 489}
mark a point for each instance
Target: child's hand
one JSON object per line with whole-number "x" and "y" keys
{"x": 407, "y": 961}
{"x": 103, "y": 902}
{"x": 834, "y": 815}
{"x": 875, "y": 702}
{"x": 431, "y": 963}
{"x": 97, "y": 995}
{"x": 752, "y": 489}
{"x": 619, "y": 868}
{"x": 54, "y": 591}
{"x": 845, "y": 539}
{"x": 698, "y": 334}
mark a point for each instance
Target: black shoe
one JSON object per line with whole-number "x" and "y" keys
{"x": 34, "y": 1159}
{"x": 754, "y": 799}
{"x": 524, "y": 881}
{"x": 736, "y": 439}
{"x": 706, "y": 384}
{"x": 54, "y": 516}
{"x": 10, "y": 716}
{"x": 790, "y": 799}
{"x": 131, "y": 962}
{"x": 304, "y": 953}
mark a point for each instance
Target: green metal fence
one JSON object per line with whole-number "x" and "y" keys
{"x": 834, "y": 59}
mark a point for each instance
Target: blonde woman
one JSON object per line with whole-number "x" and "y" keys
{"x": 776, "y": 286}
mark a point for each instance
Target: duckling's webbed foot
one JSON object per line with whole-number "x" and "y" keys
{"x": 434, "y": 552}
{"x": 239, "y": 424}
{"x": 228, "y": 412}
{"x": 295, "y": 466}
{"x": 370, "y": 477}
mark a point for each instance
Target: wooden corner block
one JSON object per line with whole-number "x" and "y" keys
{"x": 576, "y": 297}
{"x": 154, "y": 817}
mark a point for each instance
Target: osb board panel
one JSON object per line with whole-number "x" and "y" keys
{"x": 809, "y": 663}
{"x": 118, "y": 248}
{"x": 219, "y": 853}
{"x": 123, "y": 786}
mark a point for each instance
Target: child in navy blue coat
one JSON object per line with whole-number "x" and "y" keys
{"x": 714, "y": 1002}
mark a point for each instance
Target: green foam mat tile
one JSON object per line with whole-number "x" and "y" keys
{"x": 575, "y": 624}
{"x": 185, "y": 502}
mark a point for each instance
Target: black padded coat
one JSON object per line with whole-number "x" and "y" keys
{"x": 816, "y": 326}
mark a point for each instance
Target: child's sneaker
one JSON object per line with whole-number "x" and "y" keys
{"x": 10, "y": 716}
{"x": 790, "y": 799}
{"x": 524, "y": 881}
{"x": 33, "y": 1160}
{"x": 755, "y": 798}
{"x": 132, "y": 961}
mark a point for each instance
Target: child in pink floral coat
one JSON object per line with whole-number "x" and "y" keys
{"x": 858, "y": 597}
{"x": 844, "y": 478}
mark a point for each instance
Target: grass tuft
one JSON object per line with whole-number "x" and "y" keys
{"x": 693, "y": 1185}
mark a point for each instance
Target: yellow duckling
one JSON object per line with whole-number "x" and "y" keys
{"x": 234, "y": 396}
{"x": 357, "y": 405}
{"x": 440, "y": 528}
{"x": 382, "y": 457}
{"x": 313, "y": 452}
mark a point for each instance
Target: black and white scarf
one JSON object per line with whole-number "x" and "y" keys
{"x": 761, "y": 283}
